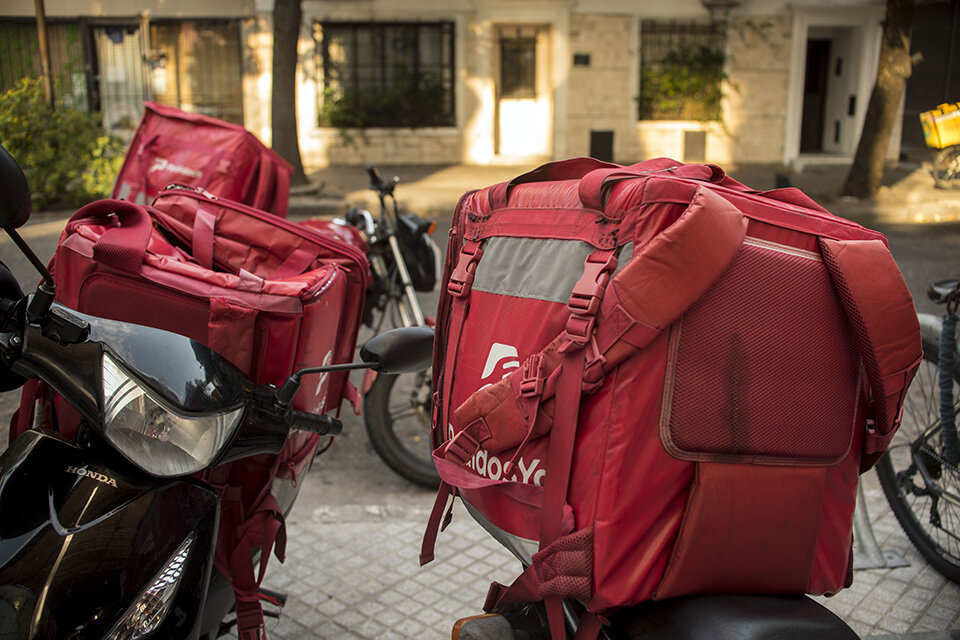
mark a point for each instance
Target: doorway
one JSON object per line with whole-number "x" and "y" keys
{"x": 524, "y": 105}
{"x": 829, "y": 92}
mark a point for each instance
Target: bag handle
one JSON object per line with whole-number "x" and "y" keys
{"x": 572, "y": 169}
{"x": 592, "y": 190}
{"x": 121, "y": 247}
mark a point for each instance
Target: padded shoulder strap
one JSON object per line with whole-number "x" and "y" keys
{"x": 884, "y": 321}
{"x": 655, "y": 288}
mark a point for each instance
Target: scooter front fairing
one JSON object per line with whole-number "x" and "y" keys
{"x": 82, "y": 542}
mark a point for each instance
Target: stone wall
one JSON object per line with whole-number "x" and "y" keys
{"x": 755, "y": 106}
{"x": 323, "y": 147}
{"x": 602, "y": 96}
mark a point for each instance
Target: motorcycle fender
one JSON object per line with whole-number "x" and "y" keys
{"x": 82, "y": 537}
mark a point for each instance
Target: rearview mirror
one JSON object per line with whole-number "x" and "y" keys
{"x": 403, "y": 350}
{"x": 14, "y": 193}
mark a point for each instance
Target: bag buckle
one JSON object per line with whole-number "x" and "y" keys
{"x": 579, "y": 329}
{"x": 531, "y": 384}
{"x": 587, "y": 293}
{"x": 461, "y": 446}
{"x": 461, "y": 280}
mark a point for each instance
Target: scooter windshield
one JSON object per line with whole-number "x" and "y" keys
{"x": 183, "y": 371}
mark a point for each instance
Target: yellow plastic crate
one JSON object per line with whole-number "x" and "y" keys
{"x": 941, "y": 126}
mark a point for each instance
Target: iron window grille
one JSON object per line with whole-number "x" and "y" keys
{"x": 386, "y": 74}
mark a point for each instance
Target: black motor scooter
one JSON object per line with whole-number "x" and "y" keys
{"x": 111, "y": 537}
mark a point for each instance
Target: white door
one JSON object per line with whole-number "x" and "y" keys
{"x": 524, "y": 104}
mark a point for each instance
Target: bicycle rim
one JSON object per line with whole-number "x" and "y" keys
{"x": 922, "y": 488}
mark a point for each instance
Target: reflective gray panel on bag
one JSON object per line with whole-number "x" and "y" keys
{"x": 531, "y": 267}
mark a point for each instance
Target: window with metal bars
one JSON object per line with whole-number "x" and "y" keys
{"x": 681, "y": 71}
{"x": 396, "y": 74}
{"x": 20, "y": 58}
{"x": 195, "y": 66}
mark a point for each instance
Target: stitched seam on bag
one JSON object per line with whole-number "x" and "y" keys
{"x": 782, "y": 248}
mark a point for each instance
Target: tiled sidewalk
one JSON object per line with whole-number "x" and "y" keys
{"x": 351, "y": 572}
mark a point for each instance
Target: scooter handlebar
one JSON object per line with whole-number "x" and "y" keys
{"x": 324, "y": 425}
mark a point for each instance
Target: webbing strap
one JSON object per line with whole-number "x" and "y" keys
{"x": 458, "y": 287}
{"x": 435, "y": 523}
{"x": 204, "y": 235}
{"x": 584, "y": 304}
{"x": 267, "y": 521}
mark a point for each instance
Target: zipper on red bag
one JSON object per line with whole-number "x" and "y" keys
{"x": 198, "y": 193}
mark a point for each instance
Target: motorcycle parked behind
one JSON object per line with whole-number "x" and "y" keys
{"x": 112, "y": 537}
{"x": 403, "y": 260}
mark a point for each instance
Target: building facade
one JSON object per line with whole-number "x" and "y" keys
{"x": 486, "y": 81}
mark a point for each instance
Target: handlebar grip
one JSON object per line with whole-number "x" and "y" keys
{"x": 324, "y": 425}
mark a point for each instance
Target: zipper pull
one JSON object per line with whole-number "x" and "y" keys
{"x": 200, "y": 190}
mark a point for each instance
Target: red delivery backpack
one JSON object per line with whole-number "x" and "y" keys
{"x": 270, "y": 296}
{"x": 171, "y": 146}
{"x": 663, "y": 382}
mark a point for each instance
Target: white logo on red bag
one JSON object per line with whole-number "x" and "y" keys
{"x": 500, "y": 353}
{"x": 327, "y": 361}
{"x": 162, "y": 164}
{"x": 492, "y": 466}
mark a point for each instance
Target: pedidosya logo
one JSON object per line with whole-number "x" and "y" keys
{"x": 162, "y": 164}
{"x": 501, "y": 360}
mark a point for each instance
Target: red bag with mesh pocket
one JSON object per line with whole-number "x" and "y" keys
{"x": 269, "y": 295}
{"x": 171, "y": 146}
{"x": 652, "y": 381}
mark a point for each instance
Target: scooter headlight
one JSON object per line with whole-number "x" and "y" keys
{"x": 157, "y": 439}
{"x": 153, "y": 605}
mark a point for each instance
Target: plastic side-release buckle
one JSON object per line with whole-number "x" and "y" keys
{"x": 531, "y": 384}
{"x": 461, "y": 280}
{"x": 587, "y": 293}
{"x": 462, "y": 446}
{"x": 586, "y": 296}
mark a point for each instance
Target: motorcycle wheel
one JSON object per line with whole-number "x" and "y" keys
{"x": 946, "y": 168}
{"x": 397, "y": 416}
{"x": 928, "y": 508}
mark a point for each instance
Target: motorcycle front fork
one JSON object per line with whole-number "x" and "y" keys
{"x": 410, "y": 312}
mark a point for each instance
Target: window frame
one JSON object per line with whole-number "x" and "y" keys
{"x": 674, "y": 36}
{"x": 378, "y": 31}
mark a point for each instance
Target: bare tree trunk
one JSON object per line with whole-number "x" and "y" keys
{"x": 44, "y": 52}
{"x": 283, "y": 111}
{"x": 893, "y": 69}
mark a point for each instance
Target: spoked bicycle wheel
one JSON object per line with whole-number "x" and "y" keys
{"x": 922, "y": 488}
{"x": 946, "y": 168}
{"x": 397, "y": 415}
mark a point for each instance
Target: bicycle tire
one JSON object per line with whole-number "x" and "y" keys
{"x": 946, "y": 168}
{"x": 899, "y": 476}
{"x": 405, "y": 448}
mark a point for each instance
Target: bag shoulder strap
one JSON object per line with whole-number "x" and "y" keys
{"x": 655, "y": 288}
{"x": 884, "y": 322}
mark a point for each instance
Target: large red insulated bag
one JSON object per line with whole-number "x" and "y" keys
{"x": 269, "y": 295}
{"x": 663, "y": 382}
{"x": 171, "y": 146}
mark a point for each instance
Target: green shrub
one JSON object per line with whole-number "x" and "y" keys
{"x": 685, "y": 85}
{"x": 66, "y": 155}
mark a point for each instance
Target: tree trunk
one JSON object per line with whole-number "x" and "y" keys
{"x": 283, "y": 98}
{"x": 893, "y": 69}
